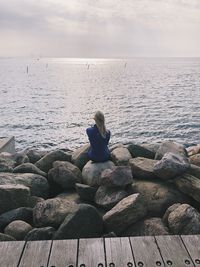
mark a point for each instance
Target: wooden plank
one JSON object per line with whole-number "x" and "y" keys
{"x": 192, "y": 243}
{"x": 173, "y": 251}
{"x": 63, "y": 253}
{"x": 36, "y": 254}
{"x": 91, "y": 253}
{"x": 10, "y": 253}
{"x": 145, "y": 251}
{"x": 118, "y": 252}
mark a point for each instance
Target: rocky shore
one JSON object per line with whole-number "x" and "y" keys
{"x": 146, "y": 189}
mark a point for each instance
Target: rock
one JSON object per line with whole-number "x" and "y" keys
{"x": 24, "y": 214}
{"x": 184, "y": 220}
{"x": 38, "y": 184}
{"x": 7, "y": 162}
{"x": 80, "y": 156}
{"x": 29, "y": 168}
{"x": 63, "y": 176}
{"x": 143, "y": 168}
{"x": 153, "y": 147}
{"x": 172, "y": 147}
{"x": 20, "y": 158}
{"x": 83, "y": 221}
{"x": 46, "y": 162}
{"x": 92, "y": 172}
{"x": 189, "y": 185}
{"x": 118, "y": 176}
{"x": 13, "y": 196}
{"x": 168, "y": 211}
{"x": 114, "y": 146}
{"x": 44, "y": 233}
{"x": 18, "y": 229}
{"x": 71, "y": 167}
{"x": 35, "y": 155}
{"x": 72, "y": 197}
{"x": 4, "y": 237}
{"x": 33, "y": 200}
{"x": 121, "y": 156}
{"x": 193, "y": 150}
{"x": 170, "y": 166}
{"x": 147, "y": 227}
{"x": 194, "y": 170}
{"x": 159, "y": 196}
{"x": 86, "y": 192}
{"x": 129, "y": 210}
{"x": 195, "y": 159}
{"x": 108, "y": 197}
{"x": 51, "y": 212}
{"x": 140, "y": 151}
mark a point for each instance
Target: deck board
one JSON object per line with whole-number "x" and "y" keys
{"x": 63, "y": 253}
{"x": 10, "y": 253}
{"x": 36, "y": 254}
{"x": 145, "y": 251}
{"x": 173, "y": 251}
{"x": 118, "y": 252}
{"x": 192, "y": 243}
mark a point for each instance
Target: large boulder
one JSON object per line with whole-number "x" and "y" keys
{"x": 128, "y": 211}
{"x": 7, "y": 162}
{"x": 51, "y": 212}
{"x": 121, "y": 156}
{"x": 28, "y": 168}
{"x": 140, "y": 151}
{"x": 46, "y": 162}
{"x": 159, "y": 196}
{"x": 71, "y": 167}
{"x": 18, "y": 229}
{"x": 20, "y": 158}
{"x": 189, "y": 185}
{"x": 170, "y": 146}
{"x": 168, "y": 211}
{"x": 147, "y": 227}
{"x": 34, "y": 155}
{"x": 13, "y": 196}
{"x": 170, "y": 166}
{"x": 92, "y": 172}
{"x": 118, "y": 176}
{"x": 37, "y": 184}
{"x": 80, "y": 156}
{"x": 184, "y": 219}
{"x": 72, "y": 197}
{"x": 194, "y": 170}
{"x": 63, "y": 176}
{"x": 44, "y": 233}
{"x": 4, "y": 237}
{"x": 83, "y": 221}
{"x": 86, "y": 192}
{"x": 195, "y": 159}
{"x": 143, "y": 168}
{"x": 23, "y": 213}
{"x": 108, "y": 197}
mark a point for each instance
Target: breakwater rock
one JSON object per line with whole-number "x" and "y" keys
{"x": 144, "y": 189}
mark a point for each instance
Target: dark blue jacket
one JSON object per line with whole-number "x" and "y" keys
{"x": 98, "y": 151}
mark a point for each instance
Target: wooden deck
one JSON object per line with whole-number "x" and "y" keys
{"x": 177, "y": 251}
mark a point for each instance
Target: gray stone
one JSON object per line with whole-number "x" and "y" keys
{"x": 34, "y": 155}
{"x": 189, "y": 185}
{"x": 80, "y": 156}
{"x": 118, "y": 176}
{"x": 129, "y": 210}
{"x": 71, "y": 167}
{"x": 4, "y": 237}
{"x": 29, "y": 168}
{"x": 83, "y": 221}
{"x": 33, "y": 200}
{"x": 7, "y": 162}
{"x": 172, "y": 147}
{"x": 46, "y": 162}
{"x": 13, "y": 196}
{"x": 23, "y": 213}
{"x": 121, "y": 156}
{"x": 194, "y": 171}
{"x": 86, "y": 192}
{"x": 44, "y": 233}
{"x": 20, "y": 158}
{"x": 37, "y": 184}
{"x": 170, "y": 166}
{"x": 108, "y": 197}
{"x": 195, "y": 159}
{"x": 92, "y": 172}
{"x": 72, "y": 197}
{"x": 140, "y": 151}
{"x": 168, "y": 211}
{"x": 143, "y": 168}
{"x": 159, "y": 196}
{"x": 18, "y": 229}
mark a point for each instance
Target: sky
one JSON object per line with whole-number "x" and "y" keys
{"x": 100, "y": 28}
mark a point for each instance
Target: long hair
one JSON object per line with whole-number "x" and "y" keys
{"x": 100, "y": 122}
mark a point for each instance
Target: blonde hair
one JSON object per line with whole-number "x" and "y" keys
{"x": 100, "y": 122}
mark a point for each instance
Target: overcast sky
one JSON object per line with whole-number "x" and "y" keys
{"x": 99, "y": 28}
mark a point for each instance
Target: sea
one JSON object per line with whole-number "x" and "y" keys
{"x": 47, "y": 103}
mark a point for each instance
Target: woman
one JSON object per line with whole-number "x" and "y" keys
{"x": 99, "y": 138}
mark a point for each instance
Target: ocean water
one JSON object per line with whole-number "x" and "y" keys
{"x": 49, "y": 102}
